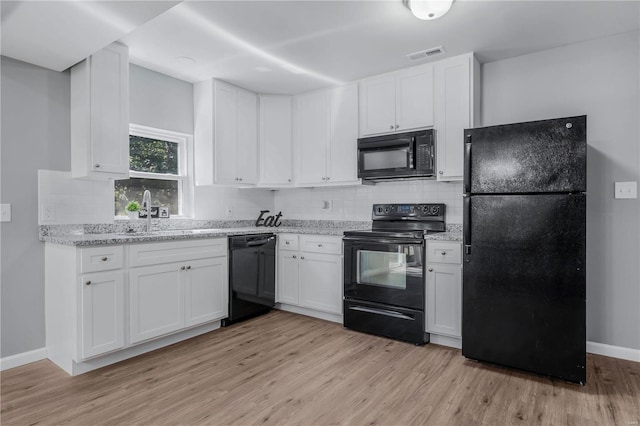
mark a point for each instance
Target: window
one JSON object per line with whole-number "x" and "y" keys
{"x": 158, "y": 161}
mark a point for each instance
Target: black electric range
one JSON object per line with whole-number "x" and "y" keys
{"x": 384, "y": 289}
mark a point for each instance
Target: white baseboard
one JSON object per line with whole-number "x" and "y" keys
{"x": 452, "y": 342}
{"x": 21, "y": 359}
{"x": 613, "y": 351}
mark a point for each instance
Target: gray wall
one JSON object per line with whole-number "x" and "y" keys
{"x": 35, "y": 135}
{"x": 599, "y": 78}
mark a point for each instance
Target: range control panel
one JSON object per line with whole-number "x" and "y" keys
{"x": 414, "y": 211}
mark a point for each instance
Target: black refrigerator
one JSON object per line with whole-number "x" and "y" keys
{"x": 524, "y": 246}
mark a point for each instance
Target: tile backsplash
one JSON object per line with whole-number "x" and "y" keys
{"x": 63, "y": 200}
{"x": 354, "y": 202}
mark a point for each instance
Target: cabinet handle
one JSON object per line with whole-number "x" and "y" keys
{"x": 289, "y": 180}
{"x": 286, "y": 242}
{"x": 236, "y": 179}
{"x": 430, "y": 269}
{"x": 443, "y": 253}
{"x": 397, "y": 126}
{"x": 182, "y": 268}
{"x": 391, "y": 127}
{"x": 189, "y": 267}
{"x": 87, "y": 283}
{"x": 441, "y": 172}
{"x": 97, "y": 166}
{"x": 240, "y": 179}
{"x": 302, "y": 257}
{"x": 294, "y": 256}
{"x": 327, "y": 177}
{"x": 319, "y": 245}
{"x": 104, "y": 259}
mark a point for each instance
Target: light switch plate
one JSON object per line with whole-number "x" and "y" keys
{"x": 626, "y": 190}
{"x": 5, "y": 212}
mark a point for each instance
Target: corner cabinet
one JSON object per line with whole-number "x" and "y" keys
{"x": 326, "y": 137}
{"x": 108, "y": 303}
{"x": 100, "y": 115}
{"x": 275, "y": 139}
{"x": 397, "y": 102}
{"x": 444, "y": 288}
{"x": 225, "y": 134}
{"x": 457, "y": 97}
{"x": 310, "y": 274}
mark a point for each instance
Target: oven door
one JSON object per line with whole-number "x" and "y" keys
{"x": 384, "y": 271}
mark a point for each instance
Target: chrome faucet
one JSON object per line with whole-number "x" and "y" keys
{"x": 146, "y": 205}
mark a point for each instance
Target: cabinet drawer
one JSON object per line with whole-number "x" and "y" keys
{"x": 104, "y": 258}
{"x": 444, "y": 252}
{"x": 288, "y": 242}
{"x": 176, "y": 251}
{"x": 321, "y": 244}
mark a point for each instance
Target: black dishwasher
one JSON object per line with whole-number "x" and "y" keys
{"x": 252, "y": 276}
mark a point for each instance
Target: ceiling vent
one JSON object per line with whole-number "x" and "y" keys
{"x": 434, "y": 51}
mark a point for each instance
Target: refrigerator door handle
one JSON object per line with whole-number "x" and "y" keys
{"x": 466, "y": 223}
{"x": 467, "y": 165}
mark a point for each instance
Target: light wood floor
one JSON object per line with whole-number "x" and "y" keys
{"x": 283, "y": 369}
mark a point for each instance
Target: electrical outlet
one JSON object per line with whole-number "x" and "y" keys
{"x": 48, "y": 214}
{"x": 5, "y": 212}
{"x": 229, "y": 211}
{"x": 626, "y": 190}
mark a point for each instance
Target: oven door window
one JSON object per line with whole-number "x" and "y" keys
{"x": 389, "y": 273}
{"x": 383, "y": 268}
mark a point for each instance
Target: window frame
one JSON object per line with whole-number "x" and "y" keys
{"x": 185, "y": 165}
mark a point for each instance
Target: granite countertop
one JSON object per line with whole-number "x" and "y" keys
{"x": 133, "y": 232}
{"x": 125, "y": 232}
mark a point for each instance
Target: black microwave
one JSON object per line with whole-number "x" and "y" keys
{"x": 397, "y": 156}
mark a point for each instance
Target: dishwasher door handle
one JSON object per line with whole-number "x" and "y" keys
{"x": 259, "y": 242}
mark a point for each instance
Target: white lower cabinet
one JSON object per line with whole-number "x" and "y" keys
{"x": 310, "y": 272}
{"x": 156, "y": 305}
{"x": 181, "y": 285}
{"x": 101, "y": 303}
{"x": 444, "y": 288}
{"x": 103, "y": 314}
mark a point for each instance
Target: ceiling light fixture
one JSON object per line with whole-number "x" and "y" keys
{"x": 428, "y": 9}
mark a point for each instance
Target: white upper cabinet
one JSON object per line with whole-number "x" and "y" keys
{"x": 225, "y": 134}
{"x": 397, "y": 102}
{"x": 325, "y": 129}
{"x": 276, "y": 166}
{"x": 457, "y": 86}
{"x": 100, "y": 115}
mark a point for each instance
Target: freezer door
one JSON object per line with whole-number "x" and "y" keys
{"x": 533, "y": 157}
{"x": 524, "y": 283}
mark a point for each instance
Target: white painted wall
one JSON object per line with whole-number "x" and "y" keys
{"x": 35, "y": 135}
{"x": 599, "y": 78}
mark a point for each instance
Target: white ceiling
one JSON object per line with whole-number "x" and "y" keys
{"x": 290, "y": 47}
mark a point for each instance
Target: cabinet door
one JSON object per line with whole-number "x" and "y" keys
{"x": 206, "y": 290}
{"x": 311, "y": 137}
{"x": 321, "y": 282}
{"x": 288, "y": 287}
{"x": 275, "y": 140}
{"x": 377, "y": 105}
{"x": 102, "y": 312}
{"x": 156, "y": 305}
{"x": 444, "y": 299}
{"x": 247, "y": 133}
{"x": 453, "y": 114}
{"x": 414, "y": 98}
{"x": 225, "y": 133}
{"x": 110, "y": 110}
{"x": 343, "y": 135}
